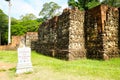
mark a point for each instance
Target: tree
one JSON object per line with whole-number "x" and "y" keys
{"x": 83, "y": 4}
{"x": 28, "y": 23}
{"x": 115, "y": 3}
{"x": 49, "y": 10}
{"x": 29, "y": 16}
{"x": 3, "y": 27}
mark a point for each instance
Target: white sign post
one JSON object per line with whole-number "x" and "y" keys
{"x": 24, "y": 60}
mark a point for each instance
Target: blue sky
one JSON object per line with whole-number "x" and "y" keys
{"x": 22, "y": 7}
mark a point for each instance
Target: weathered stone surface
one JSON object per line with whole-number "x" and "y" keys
{"x": 110, "y": 37}
{"x": 93, "y": 33}
{"x": 76, "y": 34}
{"x": 63, "y": 36}
{"x": 29, "y": 40}
{"x": 14, "y": 45}
{"x": 101, "y": 28}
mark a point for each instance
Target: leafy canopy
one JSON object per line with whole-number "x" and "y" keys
{"x": 3, "y": 27}
{"x": 115, "y": 3}
{"x": 49, "y": 10}
{"x": 29, "y": 16}
{"x": 83, "y": 4}
{"x": 28, "y": 23}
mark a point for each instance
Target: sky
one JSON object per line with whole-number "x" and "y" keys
{"x": 22, "y": 7}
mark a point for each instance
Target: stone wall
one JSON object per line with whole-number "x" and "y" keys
{"x": 14, "y": 44}
{"x": 101, "y": 28}
{"x": 110, "y": 33}
{"x": 93, "y": 33}
{"x": 76, "y": 34}
{"x": 62, "y": 44}
{"x": 47, "y": 37}
{"x": 63, "y": 36}
{"x": 29, "y": 40}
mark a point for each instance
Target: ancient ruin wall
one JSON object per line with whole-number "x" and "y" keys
{"x": 30, "y": 39}
{"x": 76, "y": 35}
{"x": 110, "y": 33}
{"x": 63, "y": 36}
{"x": 47, "y": 37}
{"x": 101, "y": 29}
{"x": 62, "y": 44}
{"x": 14, "y": 44}
{"x": 93, "y": 33}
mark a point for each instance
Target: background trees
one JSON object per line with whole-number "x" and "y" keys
{"x": 3, "y": 27}
{"x": 49, "y": 10}
{"x": 88, "y": 4}
{"x": 115, "y": 3}
{"x": 83, "y": 4}
{"x": 27, "y": 23}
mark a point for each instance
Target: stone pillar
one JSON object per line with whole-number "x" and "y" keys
{"x": 110, "y": 37}
{"x": 76, "y": 35}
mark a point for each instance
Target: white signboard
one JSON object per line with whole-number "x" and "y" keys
{"x": 24, "y": 60}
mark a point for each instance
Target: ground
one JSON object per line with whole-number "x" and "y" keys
{"x": 4, "y": 67}
{"x": 39, "y": 73}
{"x": 47, "y": 68}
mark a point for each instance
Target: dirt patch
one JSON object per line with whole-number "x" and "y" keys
{"x": 4, "y": 76}
{"x": 6, "y": 66}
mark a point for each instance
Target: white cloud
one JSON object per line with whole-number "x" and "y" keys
{"x": 22, "y": 7}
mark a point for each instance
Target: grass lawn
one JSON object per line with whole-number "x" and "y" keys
{"x": 47, "y": 68}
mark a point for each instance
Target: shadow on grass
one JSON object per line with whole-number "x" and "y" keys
{"x": 2, "y": 70}
{"x": 12, "y": 69}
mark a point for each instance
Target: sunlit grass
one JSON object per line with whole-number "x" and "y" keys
{"x": 90, "y": 69}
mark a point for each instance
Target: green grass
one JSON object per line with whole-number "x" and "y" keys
{"x": 47, "y": 68}
{"x": 8, "y": 56}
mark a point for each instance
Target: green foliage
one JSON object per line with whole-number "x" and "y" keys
{"x": 72, "y": 3}
{"x": 28, "y": 23}
{"x": 92, "y": 4}
{"x": 115, "y": 3}
{"x": 83, "y": 4}
{"x": 3, "y": 27}
{"x": 28, "y": 17}
{"x": 8, "y": 56}
{"x": 49, "y": 10}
